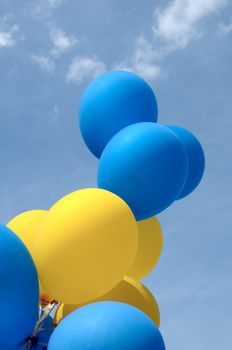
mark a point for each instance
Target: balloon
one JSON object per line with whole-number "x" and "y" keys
{"x": 146, "y": 165}
{"x": 26, "y": 225}
{"x": 106, "y": 325}
{"x": 19, "y": 291}
{"x": 110, "y": 103}
{"x": 40, "y": 340}
{"x": 196, "y": 159}
{"x": 87, "y": 244}
{"x": 128, "y": 291}
{"x": 149, "y": 248}
{"x": 14, "y": 347}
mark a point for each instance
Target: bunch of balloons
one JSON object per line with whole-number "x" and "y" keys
{"x": 90, "y": 250}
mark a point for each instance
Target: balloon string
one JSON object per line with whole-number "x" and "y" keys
{"x": 44, "y": 312}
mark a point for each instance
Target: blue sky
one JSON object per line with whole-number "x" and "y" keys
{"x": 49, "y": 51}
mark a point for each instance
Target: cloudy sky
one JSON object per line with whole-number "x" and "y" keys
{"x": 49, "y": 51}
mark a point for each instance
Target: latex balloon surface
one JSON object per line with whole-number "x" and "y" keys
{"x": 45, "y": 333}
{"x": 128, "y": 291}
{"x": 196, "y": 159}
{"x": 111, "y": 102}
{"x": 146, "y": 165}
{"x": 26, "y": 225}
{"x": 87, "y": 244}
{"x": 19, "y": 291}
{"x": 104, "y": 326}
{"x": 149, "y": 248}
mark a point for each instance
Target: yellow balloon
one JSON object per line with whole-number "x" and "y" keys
{"x": 149, "y": 248}
{"x": 128, "y": 291}
{"x": 26, "y": 226}
{"x": 86, "y": 245}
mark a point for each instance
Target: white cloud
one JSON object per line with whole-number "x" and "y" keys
{"x": 44, "y": 62}
{"x": 225, "y": 28}
{"x": 84, "y": 68}
{"x": 174, "y": 27}
{"x": 55, "y": 3}
{"x": 8, "y": 32}
{"x": 56, "y": 113}
{"x": 178, "y": 23}
{"x": 143, "y": 61}
{"x": 6, "y": 39}
{"x": 61, "y": 42}
{"x": 41, "y": 9}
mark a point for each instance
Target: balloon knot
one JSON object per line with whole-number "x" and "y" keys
{"x": 34, "y": 340}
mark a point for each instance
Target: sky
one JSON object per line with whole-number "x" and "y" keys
{"x": 49, "y": 51}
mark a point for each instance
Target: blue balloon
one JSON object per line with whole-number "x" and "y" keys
{"x": 39, "y": 341}
{"x": 146, "y": 165}
{"x": 112, "y": 102}
{"x": 196, "y": 159}
{"x": 106, "y": 326}
{"x": 45, "y": 333}
{"x": 13, "y": 347}
{"x": 19, "y": 290}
